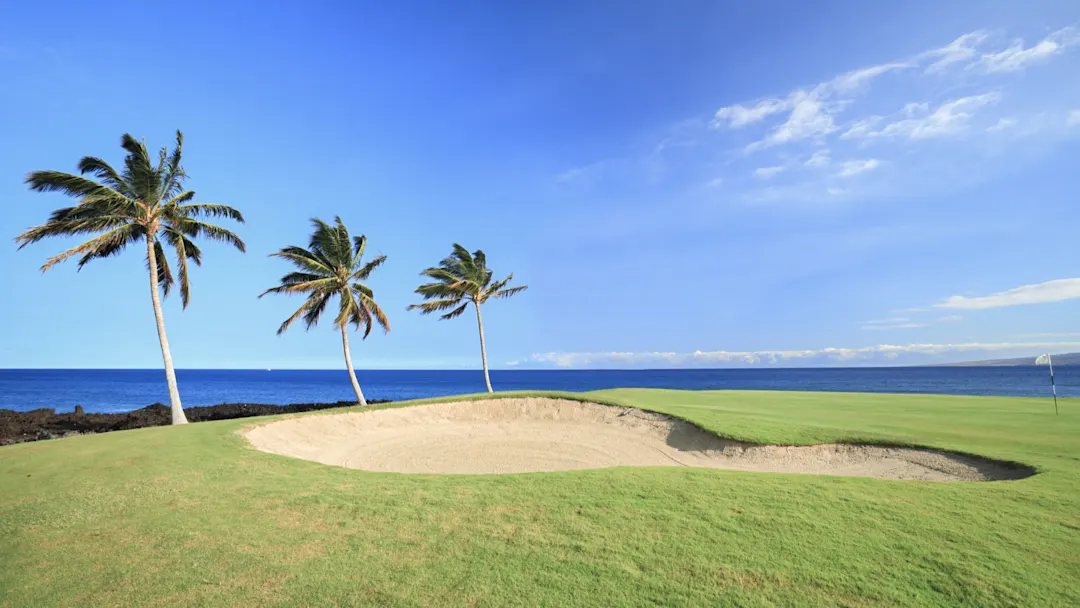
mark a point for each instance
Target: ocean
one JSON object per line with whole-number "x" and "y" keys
{"x": 121, "y": 390}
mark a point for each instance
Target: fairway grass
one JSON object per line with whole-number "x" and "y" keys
{"x": 193, "y": 515}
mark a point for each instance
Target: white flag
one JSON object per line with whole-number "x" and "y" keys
{"x": 1042, "y": 360}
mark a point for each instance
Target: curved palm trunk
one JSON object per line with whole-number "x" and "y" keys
{"x": 348, "y": 363}
{"x": 178, "y": 416}
{"x": 483, "y": 348}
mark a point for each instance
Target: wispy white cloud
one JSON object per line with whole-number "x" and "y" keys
{"x": 884, "y": 321}
{"x": 853, "y": 80}
{"x": 862, "y": 127}
{"x": 812, "y": 111}
{"x": 819, "y": 159}
{"x": 1002, "y": 125}
{"x": 1050, "y": 334}
{"x": 810, "y": 117}
{"x": 961, "y": 50}
{"x": 830, "y": 355}
{"x": 768, "y": 172}
{"x": 894, "y": 326}
{"x": 907, "y": 323}
{"x": 949, "y": 118}
{"x": 855, "y": 167}
{"x": 1016, "y": 57}
{"x": 842, "y": 113}
{"x": 1039, "y": 293}
{"x": 739, "y": 116}
{"x": 587, "y": 173}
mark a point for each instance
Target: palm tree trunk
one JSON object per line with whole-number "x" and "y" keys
{"x": 178, "y": 416}
{"x": 483, "y": 348}
{"x": 348, "y": 363}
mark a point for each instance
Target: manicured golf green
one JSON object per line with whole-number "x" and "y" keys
{"x": 193, "y": 516}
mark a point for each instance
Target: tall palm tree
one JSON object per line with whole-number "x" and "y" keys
{"x": 332, "y": 266}
{"x": 143, "y": 202}
{"x": 461, "y": 279}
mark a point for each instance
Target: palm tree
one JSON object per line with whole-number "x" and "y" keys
{"x": 461, "y": 279}
{"x": 144, "y": 202}
{"x": 331, "y": 266}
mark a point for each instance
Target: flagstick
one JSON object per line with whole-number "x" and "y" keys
{"x": 1053, "y": 387}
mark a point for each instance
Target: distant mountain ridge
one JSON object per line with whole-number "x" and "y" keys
{"x": 1062, "y": 359}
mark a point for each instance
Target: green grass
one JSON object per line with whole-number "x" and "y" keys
{"x": 193, "y": 516}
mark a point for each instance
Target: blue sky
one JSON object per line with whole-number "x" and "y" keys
{"x": 680, "y": 183}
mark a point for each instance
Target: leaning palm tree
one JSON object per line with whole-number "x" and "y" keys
{"x": 332, "y": 266}
{"x": 143, "y": 202}
{"x": 461, "y": 279}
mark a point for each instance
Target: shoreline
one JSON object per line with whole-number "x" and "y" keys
{"x": 44, "y": 423}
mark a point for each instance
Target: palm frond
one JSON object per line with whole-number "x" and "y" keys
{"x": 440, "y": 274}
{"x": 71, "y": 185}
{"x": 507, "y": 293}
{"x": 367, "y": 300}
{"x": 305, "y": 260}
{"x": 366, "y": 270}
{"x": 185, "y": 250}
{"x": 350, "y": 311}
{"x": 442, "y": 290}
{"x": 178, "y": 200}
{"x": 104, "y": 172}
{"x": 312, "y": 286}
{"x": 172, "y": 172}
{"x": 323, "y": 239}
{"x": 139, "y": 171}
{"x": 454, "y": 313}
{"x": 121, "y": 238}
{"x": 304, "y": 308}
{"x": 462, "y": 254}
{"x": 70, "y": 224}
{"x": 342, "y": 241}
{"x": 196, "y": 228}
{"x": 311, "y": 317}
{"x": 209, "y": 210}
{"x": 164, "y": 273}
{"x": 435, "y": 305}
{"x": 105, "y": 242}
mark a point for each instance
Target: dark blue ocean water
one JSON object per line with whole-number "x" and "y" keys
{"x": 124, "y": 390}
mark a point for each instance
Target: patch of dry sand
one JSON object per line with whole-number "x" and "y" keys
{"x": 517, "y": 435}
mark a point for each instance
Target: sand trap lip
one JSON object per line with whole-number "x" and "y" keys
{"x": 518, "y": 435}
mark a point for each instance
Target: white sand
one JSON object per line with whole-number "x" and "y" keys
{"x": 535, "y": 434}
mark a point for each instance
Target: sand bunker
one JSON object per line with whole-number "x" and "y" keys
{"x": 524, "y": 435}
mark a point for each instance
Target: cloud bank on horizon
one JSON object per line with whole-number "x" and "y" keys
{"x": 882, "y": 354}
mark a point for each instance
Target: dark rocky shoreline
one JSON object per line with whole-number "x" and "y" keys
{"x": 45, "y": 423}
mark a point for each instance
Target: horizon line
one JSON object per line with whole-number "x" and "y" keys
{"x": 521, "y": 369}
